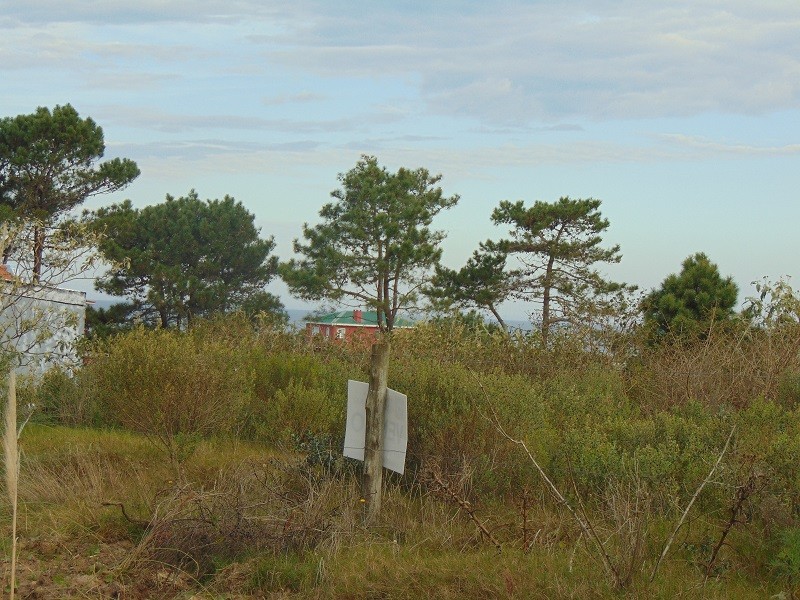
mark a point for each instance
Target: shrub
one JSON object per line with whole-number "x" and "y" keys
{"x": 172, "y": 387}
{"x": 787, "y": 560}
{"x": 68, "y": 399}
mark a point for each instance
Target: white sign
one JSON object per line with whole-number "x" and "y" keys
{"x": 395, "y": 426}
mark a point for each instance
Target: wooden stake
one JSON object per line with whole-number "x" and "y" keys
{"x": 372, "y": 481}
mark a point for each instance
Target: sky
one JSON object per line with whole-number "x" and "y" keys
{"x": 683, "y": 117}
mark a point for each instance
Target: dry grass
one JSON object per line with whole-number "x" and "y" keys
{"x": 11, "y": 454}
{"x": 248, "y": 524}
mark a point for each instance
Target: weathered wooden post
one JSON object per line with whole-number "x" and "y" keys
{"x": 372, "y": 481}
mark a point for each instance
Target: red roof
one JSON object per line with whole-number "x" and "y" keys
{"x": 5, "y": 274}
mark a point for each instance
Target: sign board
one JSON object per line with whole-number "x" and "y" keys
{"x": 395, "y": 426}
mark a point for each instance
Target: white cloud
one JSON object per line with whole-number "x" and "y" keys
{"x": 517, "y": 62}
{"x": 709, "y": 147}
{"x": 511, "y": 63}
{"x": 169, "y": 122}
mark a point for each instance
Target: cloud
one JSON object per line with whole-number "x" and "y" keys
{"x": 706, "y": 146}
{"x": 168, "y": 122}
{"x": 554, "y": 60}
{"x": 142, "y": 11}
{"x": 510, "y": 67}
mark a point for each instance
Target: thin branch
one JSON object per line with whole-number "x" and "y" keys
{"x": 691, "y": 503}
{"x": 585, "y": 526}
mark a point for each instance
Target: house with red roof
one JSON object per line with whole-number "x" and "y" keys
{"x": 349, "y": 325}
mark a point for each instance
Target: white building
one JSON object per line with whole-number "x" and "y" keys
{"x": 41, "y": 324}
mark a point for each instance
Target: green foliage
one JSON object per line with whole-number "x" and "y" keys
{"x": 62, "y": 398}
{"x": 482, "y": 283}
{"x": 374, "y": 245}
{"x": 48, "y": 165}
{"x": 471, "y": 321}
{"x": 299, "y": 409}
{"x": 688, "y": 303}
{"x": 787, "y": 560}
{"x": 104, "y": 322}
{"x": 173, "y": 388}
{"x": 777, "y": 304}
{"x": 558, "y": 245}
{"x": 186, "y": 258}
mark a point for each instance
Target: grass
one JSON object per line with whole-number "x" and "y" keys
{"x": 422, "y": 546}
{"x": 263, "y": 505}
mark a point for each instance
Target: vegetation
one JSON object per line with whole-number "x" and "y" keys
{"x": 374, "y": 245}
{"x": 263, "y": 503}
{"x": 558, "y": 246}
{"x": 689, "y": 302}
{"x": 185, "y": 258}
{"x": 204, "y": 460}
{"x": 480, "y": 284}
{"x": 48, "y": 166}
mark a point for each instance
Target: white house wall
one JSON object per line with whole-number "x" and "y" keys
{"x": 42, "y": 325}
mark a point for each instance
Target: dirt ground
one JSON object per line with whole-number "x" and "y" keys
{"x": 49, "y": 569}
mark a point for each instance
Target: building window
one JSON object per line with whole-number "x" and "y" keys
{"x": 340, "y": 333}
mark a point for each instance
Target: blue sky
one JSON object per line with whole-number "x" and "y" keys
{"x": 683, "y": 117}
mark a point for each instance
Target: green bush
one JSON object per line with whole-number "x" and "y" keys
{"x": 67, "y": 399}
{"x": 170, "y": 386}
{"x": 787, "y": 559}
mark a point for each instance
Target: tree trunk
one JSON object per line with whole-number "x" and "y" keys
{"x": 373, "y": 447}
{"x": 547, "y": 285}
{"x": 38, "y": 251}
{"x": 545, "y": 316}
{"x": 498, "y": 317}
{"x": 3, "y": 238}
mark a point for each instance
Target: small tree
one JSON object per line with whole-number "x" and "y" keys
{"x": 374, "y": 248}
{"x": 186, "y": 258}
{"x": 36, "y": 327}
{"x": 689, "y": 302}
{"x": 48, "y": 166}
{"x": 776, "y": 305}
{"x": 482, "y": 283}
{"x": 558, "y": 245}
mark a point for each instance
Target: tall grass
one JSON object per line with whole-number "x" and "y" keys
{"x": 11, "y": 454}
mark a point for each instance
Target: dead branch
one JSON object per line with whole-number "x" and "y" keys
{"x": 125, "y": 514}
{"x": 691, "y": 503}
{"x": 466, "y": 506}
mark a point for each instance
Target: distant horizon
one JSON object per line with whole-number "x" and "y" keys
{"x": 297, "y": 315}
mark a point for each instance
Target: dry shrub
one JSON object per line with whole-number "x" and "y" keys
{"x": 732, "y": 366}
{"x": 248, "y": 508}
{"x": 521, "y": 353}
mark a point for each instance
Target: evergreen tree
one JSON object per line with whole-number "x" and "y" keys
{"x": 374, "y": 245}
{"x": 558, "y": 246}
{"x": 49, "y": 165}
{"x": 482, "y": 283}
{"x": 185, "y": 258}
{"x": 688, "y": 303}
